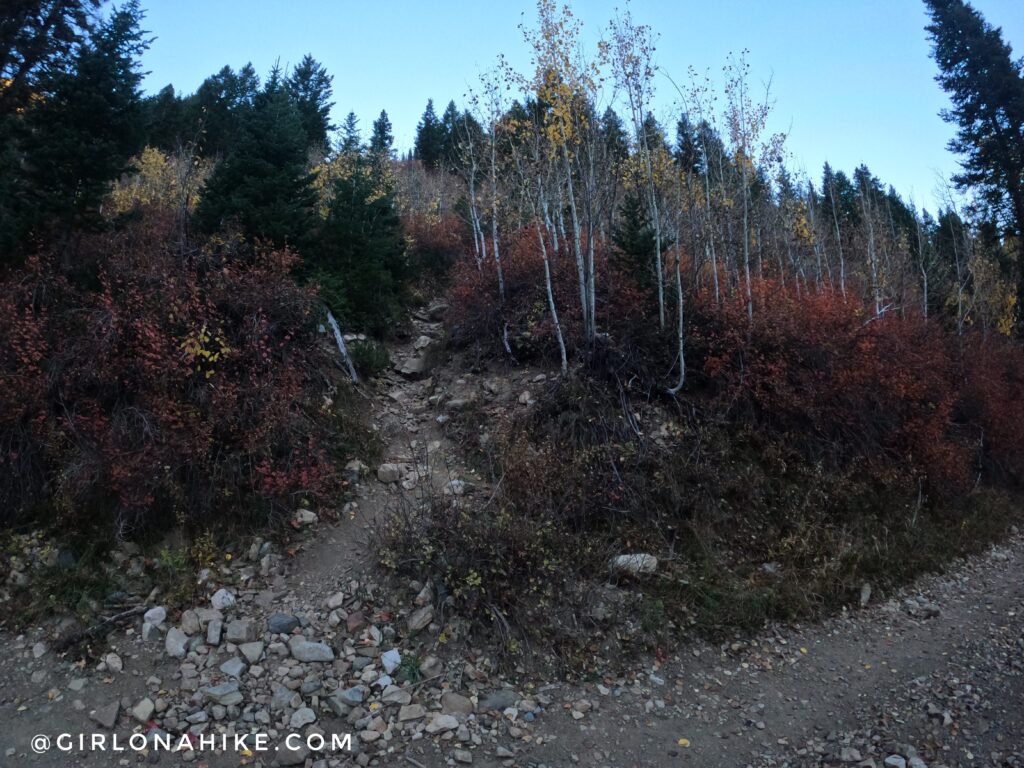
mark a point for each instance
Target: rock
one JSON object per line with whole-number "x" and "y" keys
{"x": 253, "y": 652}
{"x": 335, "y": 601}
{"x": 850, "y": 755}
{"x": 895, "y": 761}
{"x": 113, "y": 662}
{"x": 283, "y": 697}
{"x": 390, "y": 660}
{"x": 176, "y": 643}
{"x": 442, "y": 723}
{"x": 865, "y": 595}
{"x": 437, "y": 311}
{"x": 431, "y": 666}
{"x": 455, "y": 487}
{"x": 500, "y": 700}
{"x": 190, "y": 623}
{"x": 421, "y": 618}
{"x": 303, "y": 650}
{"x": 635, "y": 564}
{"x": 389, "y": 473}
{"x": 282, "y": 623}
{"x": 306, "y": 517}
{"x": 225, "y": 693}
{"x": 355, "y": 621}
{"x": 525, "y": 398}
{"x": 143, "y": 710}
{"x": 456, "y": 704}
{"x": 463, "y": 756}
{"x": 422, "y": 343}
{"x": 916, "y": 762}
{"x": 150, "y": 632}
{"x": 395, "y": 695}
{"x": 411, "y": 712}
{"x": 301, "y": 718}
{"x": 424, "y": 597}
{"x": 234, "y": 668}
{"x": 106, "y": 716}
{"x": 222, "y": 600}
{"x": 292, "y": 752}
{"x": 352, "y": 696}
{"x": 155, "y": 616}
{"x": 213, "y": 632}
{"x": 240, "y": 631}
{"x": 415, "y": 367}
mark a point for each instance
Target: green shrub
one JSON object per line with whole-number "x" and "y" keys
{"x": 370, "y": 357}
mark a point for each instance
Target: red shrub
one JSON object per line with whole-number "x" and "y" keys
{"x": 175, "y": 386}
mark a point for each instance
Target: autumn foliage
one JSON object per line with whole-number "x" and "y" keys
{"x": 144, "y": 385}
{"x": 818, "y": 371}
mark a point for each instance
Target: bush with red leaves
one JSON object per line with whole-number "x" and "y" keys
{"x": 160, "y": 389}
{"x": 816, "y": 370}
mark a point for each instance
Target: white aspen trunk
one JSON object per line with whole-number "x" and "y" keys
{"x": 494, "y": 215}
{"x": 342, "y": 349}
{"x": 551, "y": 300}
{"x": 924, "y": 271}
{"x": 839, "y": 243}
{"x": 680, "y": 326}
{"x": 577, "y": 251}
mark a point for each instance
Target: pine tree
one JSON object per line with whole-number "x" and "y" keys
{"x": 38, "y": 37}
{"x": 360, "y": 261}
{"x": 986, "y": 86}
{"x": 82, "y": 134}
{"x": 429, "y": 147}
{"x": 351, "y": 142}
{"x": 310, "y": 87}
{"x": 220, "y": 106}
{"x": 167, "y": 123}
{"x": 382, "y": 139}
{"x": 263, "y": 186}
{"x": 451, "y": 140}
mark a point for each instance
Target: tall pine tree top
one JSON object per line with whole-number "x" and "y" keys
{"x": 310, "y": 86}
{"x": 429, "y": 147}
{"x": 263, "y": 186}
{"x": 986, "y": 85}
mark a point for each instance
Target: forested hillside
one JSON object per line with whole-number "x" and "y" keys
{"x": 777, "y": 382}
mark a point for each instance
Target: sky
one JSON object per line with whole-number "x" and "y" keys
{"x": 851, "y": 82}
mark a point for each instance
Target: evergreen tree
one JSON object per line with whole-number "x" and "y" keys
{"x": 82, "y": 134}
{"x": 351, "y": 142}
{"x": 450, "y": 129}
{"x": 37, "y": 38}
{"x": 360, "y": 260}
{"x": 430, "y": 140}
{"x": 688, "y": 153}
{"x": 382, "y": 139}
{"x": 986, "y": 86}
{"x": 635, "y": 243}
{"x": 613, "y": 134}
{"x": 310, "y": 87}
{"x": 263, "y": 186}
{"x": 167, "y": 121}
{"x": 220, "y": 106}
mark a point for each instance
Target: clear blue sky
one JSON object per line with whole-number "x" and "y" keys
{"x": 853, "y": 81}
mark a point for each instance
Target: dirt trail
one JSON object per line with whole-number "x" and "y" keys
{"x": 933, "y": 676}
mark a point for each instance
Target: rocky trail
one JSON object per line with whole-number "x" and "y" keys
{"x": 324, "y": 643}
